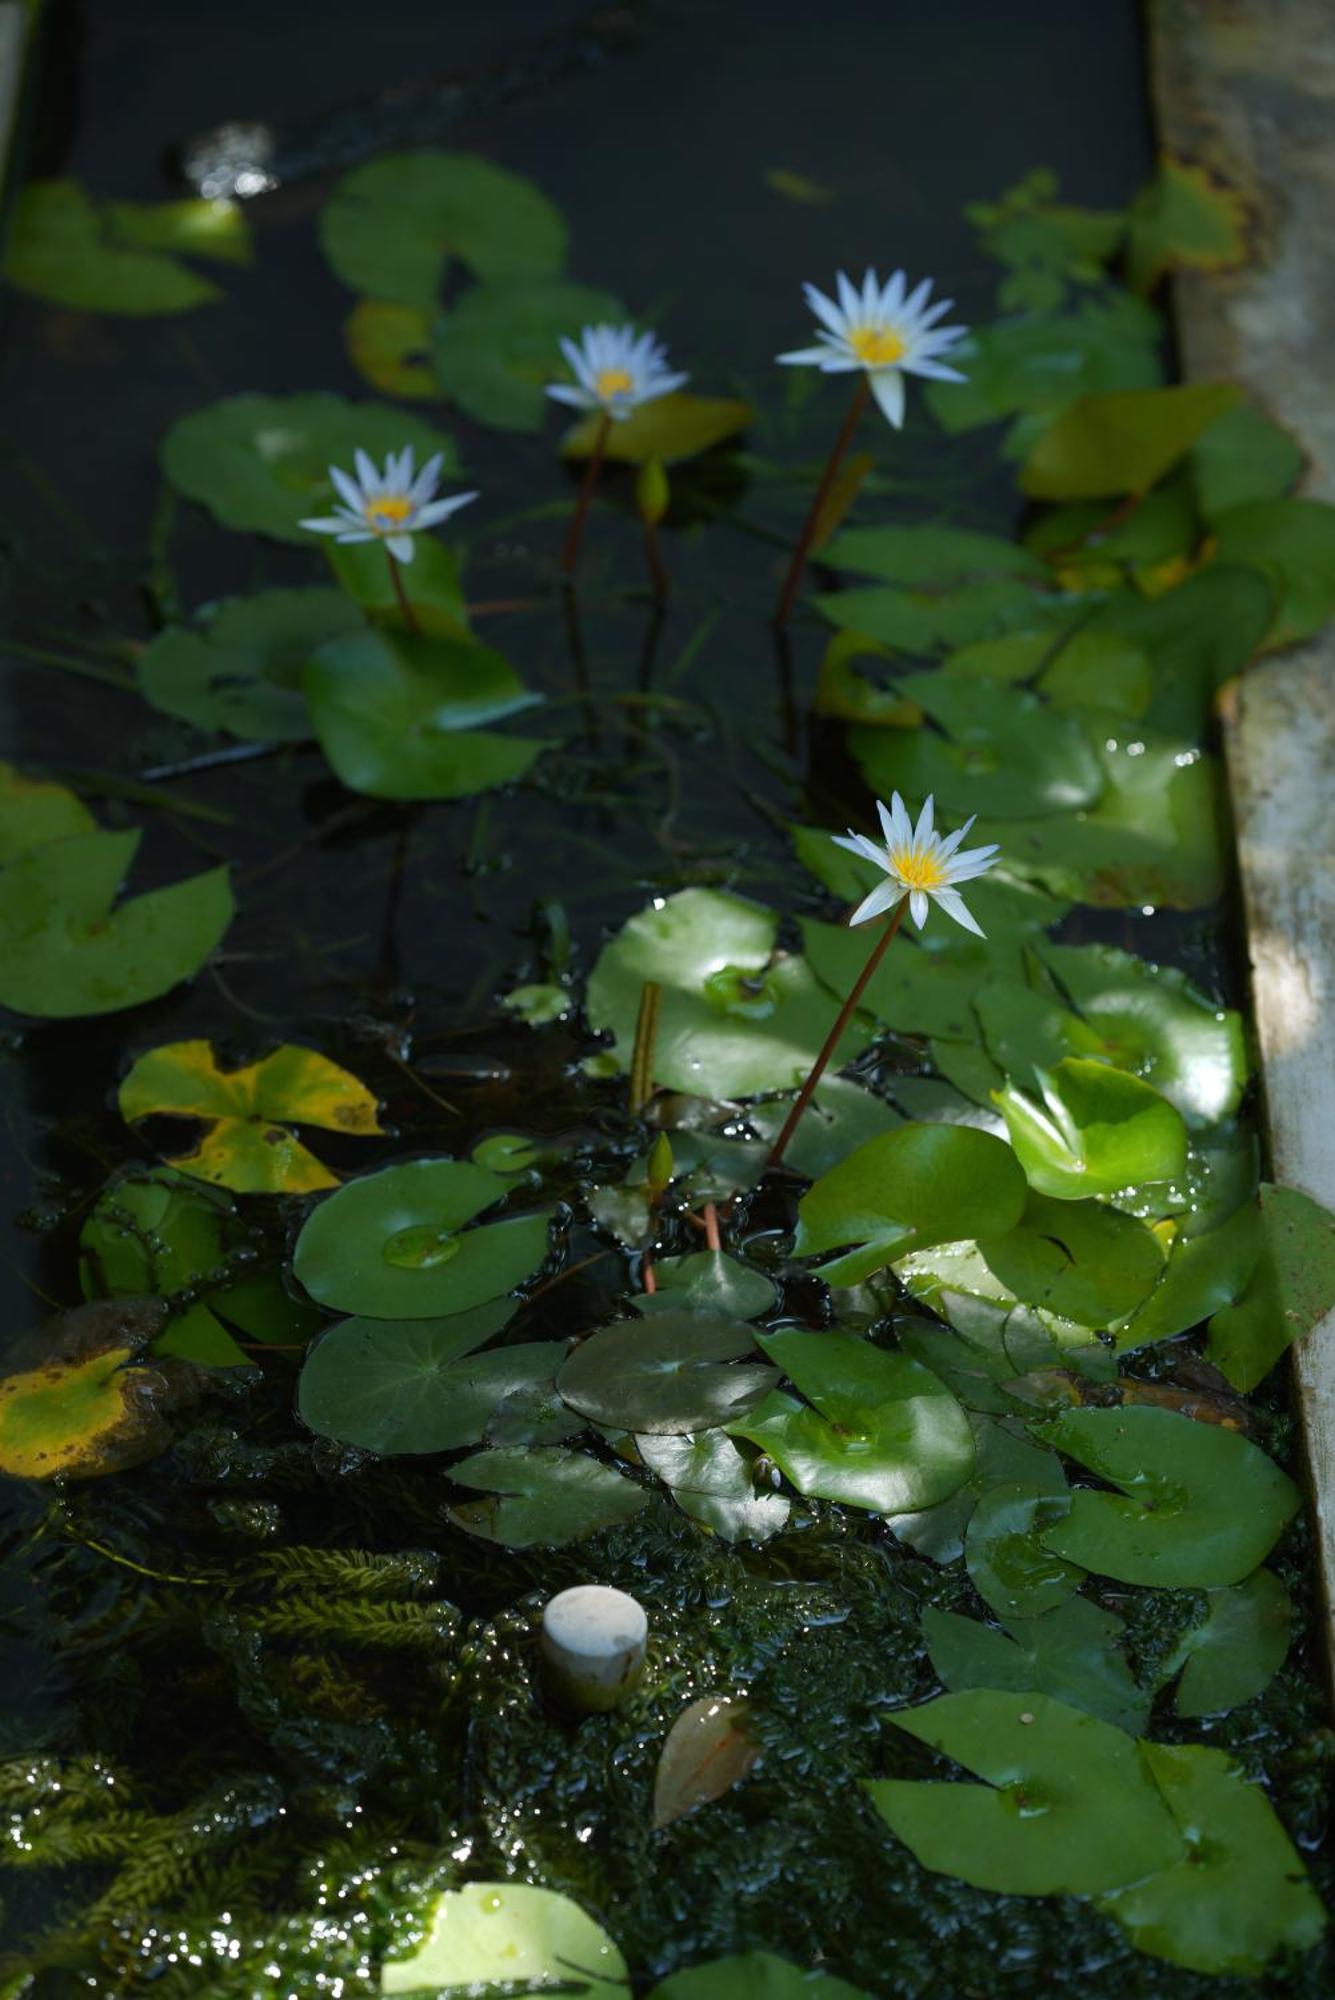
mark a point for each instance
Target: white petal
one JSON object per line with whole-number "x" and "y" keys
{"x": 922, "y": 833}
{"x": 437, "y": 511}
{"x": 918, "y": 907}
{"x": 889, "y": 823}
{"x": 858, "y": 843}
{"x": 892, "y": 298}
{"x": 934, "y": 313}
{"x": 952, "y": 840}
{"x": 900, "y": 821}
{"x": 325, "y": 524}
{"x": 347, "y": 489}
{"x": 826, "y": 311}
{"x": 427, "y": 480}
{"x": 840, "y": 364}
{"x": 963, "y": 867}
{"x": 848, "y": 297}
{"x": 400, "y": 547}
{"x": 918, "y": 298}
{"x": 887, "y": 385}
{"x": 804, "y": 357}
{"x": 954, "y": 906}
{"x": 366, "y": 471}
{"x": 933, "y": 370}
{"x": 883, "y": 897}
{"x": 358, "y": 535}
{"x": 575, "y": 399}
{"x": 871, "y": 293}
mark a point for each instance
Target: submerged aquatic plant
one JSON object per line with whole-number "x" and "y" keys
{"x": 881, "y": 333}
{"x": 922, "y": 867}
{"x": 616, "y": 371}
{"x": 389, "y": 507}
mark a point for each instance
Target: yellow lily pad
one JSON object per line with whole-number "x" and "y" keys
{"x": 248, "y": 1147}
{"x": 671, "y": 428}
{"x": 391, "y": 346}
{"x": 87, "y": 1405}
{"x": 33, "y": 811}
{"x": 1184, "y": 220}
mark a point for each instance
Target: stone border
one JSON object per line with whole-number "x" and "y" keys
{"x": 1247, "y": 89}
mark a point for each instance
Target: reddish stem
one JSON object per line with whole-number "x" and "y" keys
{"x": 396, "y": 577}
{"x": 787, "y": 595}
{"x": 648, "y": 1280}
{"x": 653, "y": 555}
{"x": 587, "y": 487}
{"x": 842, "y": 1019}
{"x": 712, "y": 1237}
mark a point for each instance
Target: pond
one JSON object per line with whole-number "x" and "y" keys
{"x": 396, "y": 1166}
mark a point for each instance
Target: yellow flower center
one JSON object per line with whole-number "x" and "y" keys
{"x": 917, "y": 871}
{"x": 877, "y": 346}
{"x": 388, "y": 510}
{"x": 613, "y": 382}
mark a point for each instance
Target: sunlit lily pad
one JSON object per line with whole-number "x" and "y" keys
{"x": 915, "y": 1186}
{"x": 1078, "y": 1259}
{"x": 499, "y": 1933}
{"x": 1073, "y": 1653}
{"x": 242, "y": 671}
{"x": 1240, "y": 1894}
{"x": 67, "y": 948}
{"x": 671, "y": 428}
{"x": 496, "y": 350}
{"x": 542, "y": 1497}
{"x": 1092, "y": 1130}
{"x": 398, "y": 716}
{"x": 734, "y": 1019}
{"x": 671, "y": 1373}
{"x": 394, "y": 1245}
{"x": 1123, "y": 442}
{"x": 416, "y": 1385}
{"x": 914, "y": 990}
{"x": 713, "y": 1481}
{"x": 711, "y": 1281}
{"x": 877, "y": 1431}
{"x": 1238, "y": 1647}
{"x": 840, "y": 1116}
{"x": 34, "y": 811}
{"x": 83, "y": 1402}
{"x": 1004, "y": 752}
{"x": 261, "y": 463}
{"x": 1073, "y": 1812}
{"x": 156, "y": 1234}
{"x": 247, "y": 1146}
{"x": 1202, "y": 1275}
{"x": 1199, "y": 1505}
{"x": 390, "y": 227}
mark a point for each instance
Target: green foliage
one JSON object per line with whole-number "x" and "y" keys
{"x": 676, "y": 1374}
{"x": 121, "y": 257}
{"x": 242, "y": 672}
{"x": 495, "y": 351}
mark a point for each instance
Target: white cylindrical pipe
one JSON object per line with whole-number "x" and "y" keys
{"x": 593, "y": 1641}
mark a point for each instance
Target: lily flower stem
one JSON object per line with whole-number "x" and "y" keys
{"x": 861, "y": 397}
{"x": 653, "y": 555}
{"x": 713, "y": 1240}
{"x": 396, "y": 578}
{"x": 587, "y": 487}
{"x": 844, "y": 1016}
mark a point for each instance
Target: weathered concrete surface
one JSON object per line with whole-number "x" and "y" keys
{"x": 1247, "y": 88}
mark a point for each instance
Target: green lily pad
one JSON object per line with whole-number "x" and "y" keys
{"x": 1037, "y": 363}
{"x": 156, "y": 1234}
{"x": 1073, "y": 1812}
{"x": 82, "y": 1402}
{"x": 1184, "y": 219}
{"x": 396, "y": 716}
{"x": 1292, "y": 543}
{"x": 1236, "y": 1650}
{"x": 1004, "y": 1550}
{"x": 924, "y": 621}
{"x": 33, "y": 811}
{"x": 1005, "y": 753}
{"x": 915, "y": 989}
{"x": 261, "y": 463}
{"x": 497, "y": 349}
{"x": 1077, "y": 1259}
{"x": 393, "y": 1245}
{"x": 877, "y": 1431}
{"x": 542, "y": 1497}
{"x": 1073, "y": 1653}
{"x": 66, "y": 250}
{"x": 390, "y": 227}
{"x": 1198, "y": 636}
{"x": 216, "y": 229}
{"x": 1096, "y": 1130}
{"x": 1240, "y": 1894}
{"x": 66, "y": 951}
{"x": 1123, "y": 442}
{"x": 710, "y": 1281}
{"x": 1245, "y": 455}
{"x": 431, "y": 583}
{"x": 713, "y": 1481}
{"x": 754, "y": 1975}
{"x": 915, "y": 1186}
{"x": 1199, "y": 1505}
{"x": 713, "y": 955}
{"x": 1290, "y": 1288}
{"x": 416, "y": 1385}
{"x": 1202, "y": 1275}
{"x": 840, "y": 1116}
{"x": 1077, "y": 670}
{"x": 500, "y": 1933}
{"x": 671, "y": 429}
{"x": 669, "y": 1374}
{"x": 242, "y": 672}
{"x": 936, "y": 556}
{"x": 1004, "y": 1454}
{"x": 244, "y": 1147}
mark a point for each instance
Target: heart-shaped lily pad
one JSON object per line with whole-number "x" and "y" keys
{"x": 1073, "y": 1812}
{"x": 1289, "y": 1289}
{"x": 542, "y": 1497}
{"x": 84, "y": 1403}
{"x": 65, "y": 249}
{"x": 713, "y": 1481}
{"x": 242, "y": 671}
{"x": 65, "y": 950}
{"x": 1078, "y": 1259}
{"x": 261, "y": 463}
{"x": 1236, "y": 1649}
{"x": 733, "y": 1019}
{"x": 1073, "y": 1653}
{"x": 432, "y": 586}
{"x": 1093, "y": 1131}
{"x": 915, "y": 1186}
{"x": 244, "y": 1147}
{"x": 397, "y": 715}
{"x": 1199, "y": 1505}
{"x": 1011, "y": 1568}
{"x": 504, "y": 1933}
{"x": 671, "y": 1373}
{"x": 34, "y": 811}
{"x": 877, "y": 1431}
{"x": 710, "y": 1281}
{"x": 393, "y": 1245}
{"x": 416, "y": 1385}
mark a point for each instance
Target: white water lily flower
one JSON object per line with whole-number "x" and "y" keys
{"x": 615, "y": 369}
{"x": 885, "y": 329}
{"x": 390, "y": 506}
{"x": 919, "y": 864}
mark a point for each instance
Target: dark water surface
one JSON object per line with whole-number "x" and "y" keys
{"x": 382, "y": 935}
